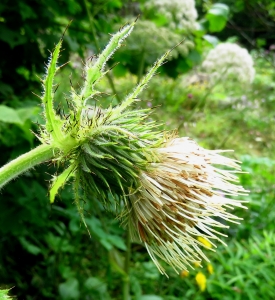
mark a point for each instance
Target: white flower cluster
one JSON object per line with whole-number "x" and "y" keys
{"x": 229, "y": 60}
{"x": 180, "y": 14}
{"x": 153, "y": 41}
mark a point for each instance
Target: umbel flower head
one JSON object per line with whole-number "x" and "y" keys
{"x": 229, "y": 60}
{"x": 180, "y": 14}
{"x": 170, "y": 189}
{"x": 179, "y": 199}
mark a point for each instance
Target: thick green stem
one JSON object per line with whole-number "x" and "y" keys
{"x": 126, "y": 280}
{"x": 25, "y": 162}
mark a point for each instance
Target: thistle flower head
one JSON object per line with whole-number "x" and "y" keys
{"x": 179, "y": 199}
{"x": 229, "y": 60}
{"x": 171, "y": 189}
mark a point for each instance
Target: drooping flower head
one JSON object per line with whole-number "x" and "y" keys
{"x": 172, "y": 190}
{"x": 179, "y": 199}
{"x": 229, "y": 60}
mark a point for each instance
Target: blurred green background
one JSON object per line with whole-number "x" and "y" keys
{"x": 45, "y": 251}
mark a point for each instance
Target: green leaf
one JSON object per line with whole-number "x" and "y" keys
{"x": 217, "y": 17}
{"x": 150, "y": 297}
{"x": 93, "y": 283}
{"x": 97, "y": 288}
{"x": 24, "y": 72}
{"x": 28, "y": 113}
{"x": 26, "y": 11}
{"x": 114, "y": 4}
{"x": 117, "y": 241}
{"x": 106, "y": 244}
{"x": 53, "y": 121}
{"x": 29, "y": 247}
{"x": 160, "y": 20}
{"x": 9, "y": 115}
{"x": 12, "y": 37}
{"x": 69, "y": 290}
{"x": 59, "y": 181}
{"x": 219, "y": 9}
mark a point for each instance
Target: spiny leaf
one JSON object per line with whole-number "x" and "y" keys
{"x": 53, "y": 122}
{"x": 95, "y": 70}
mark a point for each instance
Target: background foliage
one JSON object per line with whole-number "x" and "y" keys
{"x": 45, "y": 253}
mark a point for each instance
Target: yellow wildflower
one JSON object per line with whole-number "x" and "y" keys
{"x": 210, "y": 269}
{"x": 201, "y": 281}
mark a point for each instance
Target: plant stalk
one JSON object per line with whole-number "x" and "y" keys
{"x": 25, "y": 162}
{"x": 126, "y": 280}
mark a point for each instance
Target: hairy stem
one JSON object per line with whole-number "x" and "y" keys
{"x": 25, "y": 162}
{"x": 126, "y": 280}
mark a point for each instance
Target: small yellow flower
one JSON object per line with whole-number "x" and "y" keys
{"x": 184, "y": 273}
{"x": 205, "y": 242}
{"x": 201, "y": 281}
{"x": 210, "y": 269}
